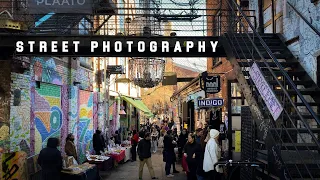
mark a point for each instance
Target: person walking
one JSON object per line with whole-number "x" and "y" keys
{"x": 183, "y": 138}
{"x": 212, "y": 155}
{"x": 154, "y": 138}
{"x": 98, "y": 142}
{"x": 50, "y": 160}
{"x": 134, "y": 143}
{"x": 144, "y": 152}
{"x": 200, "y": 156}
{"x": 189, "y": 153}
{"x": 168, "y": 153}
{"x": 70, "y": 148}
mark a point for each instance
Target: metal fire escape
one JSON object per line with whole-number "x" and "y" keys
{"x": 289, "y": 145}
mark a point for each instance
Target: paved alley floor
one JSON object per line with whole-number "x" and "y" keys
{"x": 129, "y": 170}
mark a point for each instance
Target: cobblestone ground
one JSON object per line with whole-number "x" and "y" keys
{"x": 129, "y": 170}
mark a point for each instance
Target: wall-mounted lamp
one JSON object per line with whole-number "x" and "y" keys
{"x": 122, "y": 112}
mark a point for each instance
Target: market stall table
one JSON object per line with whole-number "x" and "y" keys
{"x": 84, "y": 171}
{"x": 127, "y": 153}
{"x": 103, "y": 165}
{"x": 118, "y": 157}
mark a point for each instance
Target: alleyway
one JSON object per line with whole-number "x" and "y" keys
{"x": 129, "y": 170}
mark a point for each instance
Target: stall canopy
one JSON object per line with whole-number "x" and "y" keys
{"x": 139, "y": 105}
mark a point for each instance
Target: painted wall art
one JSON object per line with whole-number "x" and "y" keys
{"x": 85, "y": 125}
{"x": 48, "y": 114}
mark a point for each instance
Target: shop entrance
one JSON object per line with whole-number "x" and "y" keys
{"x": 190, "y": 118}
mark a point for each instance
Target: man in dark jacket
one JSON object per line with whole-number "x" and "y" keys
{"x": 183, "y": 138}
{"x": 169, "y": 155}
{"x": 98, "y": 142}
{"x": 50, "y": 160}
{"x": 144, "y": 152}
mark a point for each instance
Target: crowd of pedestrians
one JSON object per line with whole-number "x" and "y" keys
{"x": 200, "y": 149}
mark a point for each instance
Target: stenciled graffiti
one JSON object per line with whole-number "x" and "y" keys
{"x": 13, "y": 166}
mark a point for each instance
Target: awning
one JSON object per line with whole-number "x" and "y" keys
{"x": 138, "y": 104}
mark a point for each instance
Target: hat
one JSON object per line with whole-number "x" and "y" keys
{"x": 214, "y": 133}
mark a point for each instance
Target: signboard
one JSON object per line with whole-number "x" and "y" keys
{"x": 60, "y": 6}
{"x": 237, "y": 141}
{"x": 115, "y": 69}
{"x": 265, "y": 91}
{"x": 210, "y": 84}
{"x": 203, "y": 103}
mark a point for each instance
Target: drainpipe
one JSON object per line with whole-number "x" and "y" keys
{"x": 273, "y": 20}
{"x": 260, "y": 6}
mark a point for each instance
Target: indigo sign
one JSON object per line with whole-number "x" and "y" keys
{"x": 203, "y": 103}
{"x": 210, "y": 84}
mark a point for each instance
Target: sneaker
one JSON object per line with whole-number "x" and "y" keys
{"x": 170, "y": 176}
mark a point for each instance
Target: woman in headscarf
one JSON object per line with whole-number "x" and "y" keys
{"x": 70, "y": 148}
{"x": 50, "y": 160}
{"x": 189, "y": 153}
{"x": 212, "y": 155}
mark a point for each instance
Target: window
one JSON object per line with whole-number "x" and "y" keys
{"x": 237, "y": 99}
{"x": 216, "y": 61}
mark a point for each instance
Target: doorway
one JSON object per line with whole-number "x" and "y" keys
{"x": 191, "y": 116}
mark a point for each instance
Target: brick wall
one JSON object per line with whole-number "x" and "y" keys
{"x": 5, "y": 81}
{"x": 20, "y": 113}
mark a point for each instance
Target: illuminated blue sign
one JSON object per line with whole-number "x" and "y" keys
{"x": 210, "y": 102}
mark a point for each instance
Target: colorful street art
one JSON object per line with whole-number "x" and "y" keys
{"x": 13, "y": 166}
{"x": 85, "y": 77}
{"x": 85, "y": 126}
{"x": 48, "y": 115}
{"x": 19, "y": 118}
{"x": 46, "y": 70}
{"x": 73, "y": 112}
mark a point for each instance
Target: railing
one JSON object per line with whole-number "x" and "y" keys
{"x": 250, "y": 40}
{"x": 304, "y": 19}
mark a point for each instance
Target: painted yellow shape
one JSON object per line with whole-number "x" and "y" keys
{"x": 4, "y": 132}
{"x": 37, "y": 142}
{"x": 53, "y": 101}
{"x": 237, "y": 141}
{"x": 83, "y": 113}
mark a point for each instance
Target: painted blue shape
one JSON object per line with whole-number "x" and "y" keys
{"x": 43, "y": 130}
{"x": 90, "y": 101}
{"x": 44, "y": 18}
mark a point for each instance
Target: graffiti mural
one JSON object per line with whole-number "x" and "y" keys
{"x": 85, "y": 77}
{"x": 13, "y": 166}
{"x": 51, "y": 70}
{"x": 73, "y": 111}
{"x": 19, "y": 122}
{"x": 48, "y": 115}
{"x": 85, "y": 126}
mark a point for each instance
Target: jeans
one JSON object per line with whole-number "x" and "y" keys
{"x": 200, "y": 177}
{"x": 154, "y": 146}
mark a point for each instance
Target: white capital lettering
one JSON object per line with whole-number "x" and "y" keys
{"x": 19, "y": 46}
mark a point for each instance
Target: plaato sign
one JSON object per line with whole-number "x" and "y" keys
{"x": 60, "y": 6}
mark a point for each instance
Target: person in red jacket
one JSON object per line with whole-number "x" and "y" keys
{"x": 134, "y": 143}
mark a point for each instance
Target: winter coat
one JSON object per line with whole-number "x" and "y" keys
{"x": 144, "y": 149}
{"x": 50, "y": 161}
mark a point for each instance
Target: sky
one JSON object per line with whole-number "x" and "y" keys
{"x": 186, "y": 28}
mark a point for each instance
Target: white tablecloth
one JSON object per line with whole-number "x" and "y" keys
{"x": 128, "y": 154}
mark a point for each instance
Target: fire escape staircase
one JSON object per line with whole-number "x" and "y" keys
{"x": 289, "y": 145}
